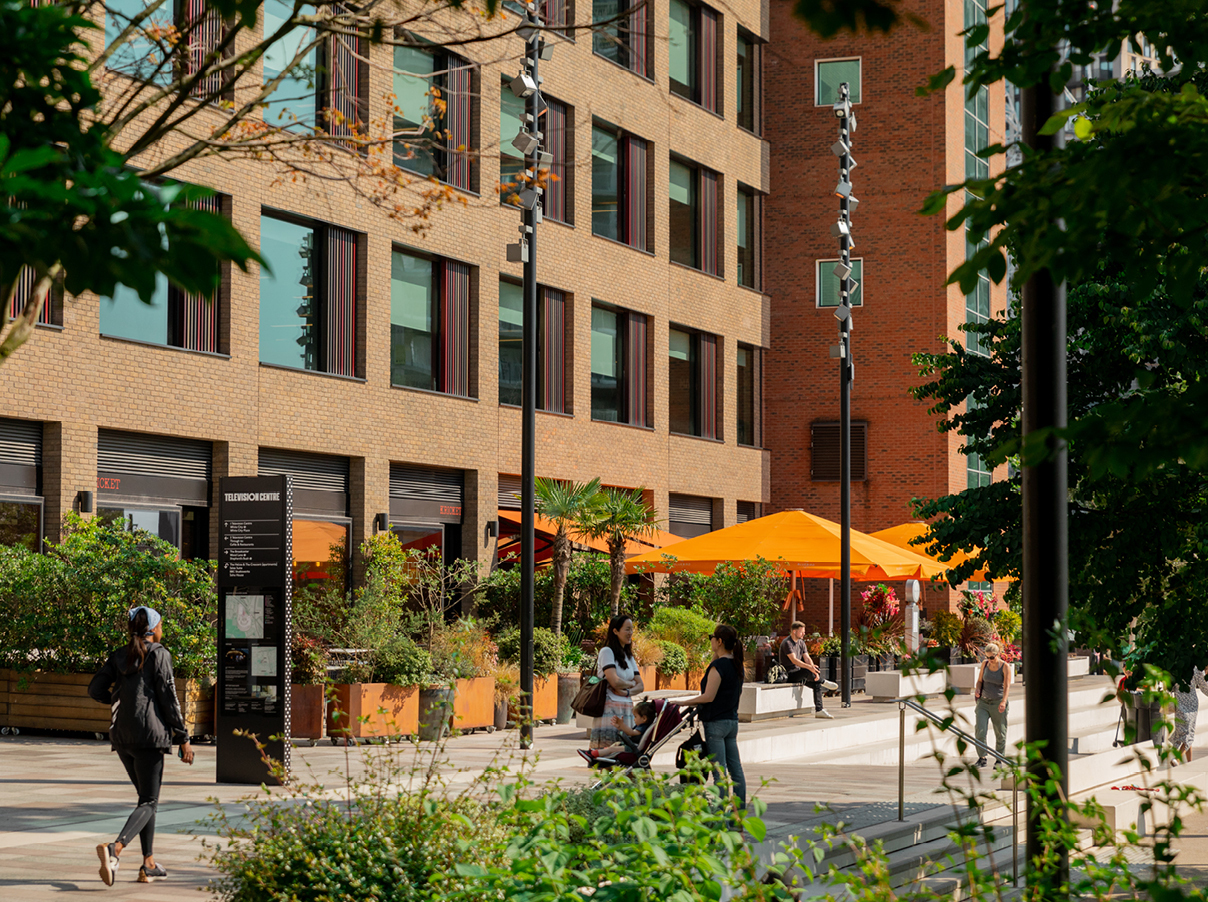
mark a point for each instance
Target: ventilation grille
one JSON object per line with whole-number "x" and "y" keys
{"x": 824, "y": 452}
{"x": 691, "y": 509}
{"x": 20, "y": 443}
{"x": 748, "y": 510}
{"x": 136, "y": 454}
{"x": 311, "y": 472}
{"x": 426, "y": 484}
{"x": 509, "y": 492}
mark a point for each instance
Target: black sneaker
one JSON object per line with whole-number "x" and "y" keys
{"x": 981, "y": 762}
{"x": 108, "y": 856}
{"x": 150, "y": 875}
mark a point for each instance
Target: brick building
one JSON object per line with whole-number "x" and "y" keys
{"x": 379, "y": 367}
{"x": 905, "y": 147}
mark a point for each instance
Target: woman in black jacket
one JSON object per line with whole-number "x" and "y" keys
{"x": 137, "y": 683}
{"x": 720, "y": 691}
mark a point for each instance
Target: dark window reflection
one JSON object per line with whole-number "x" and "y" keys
{"x": 320, "y": 554}
{"x": 158, "y": 522}
{"x": 21, "y": 524}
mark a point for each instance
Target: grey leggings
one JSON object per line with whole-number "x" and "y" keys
{"x": 146, "y": 770}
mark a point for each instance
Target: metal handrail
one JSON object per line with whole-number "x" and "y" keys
{"x": 903, "y": 704}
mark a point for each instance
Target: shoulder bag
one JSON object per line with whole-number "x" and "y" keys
{"x": 592, "y": 697}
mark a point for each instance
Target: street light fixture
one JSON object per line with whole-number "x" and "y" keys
{"x": 523, "y": 85}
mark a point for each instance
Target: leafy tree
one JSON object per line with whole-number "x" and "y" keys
{"x": 615, "y": 516}
{"x": 747, "y": 596}
{"x": 563, "y": 503}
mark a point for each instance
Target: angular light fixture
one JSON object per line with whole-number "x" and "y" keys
{"x": 527, "y": 31}
{"x": 528, "y": 197}
{"x": 852, "y": 203}
{"x": 839, "y": 351}
{"x": 842, "y": 109}
{"x": 545, "y": 50}
{"x": 839, "y": 148}
{"x": 842, "y": 312}
{"x": 518, "y": 252}
{"x": 843, "y": 189}
{"x": 842, "y": 270}
{"x": 523, "y": 85}
{"x": 841, "y": 229}
{"x": 526, "y": 143}
{"x": 545, "y": 158}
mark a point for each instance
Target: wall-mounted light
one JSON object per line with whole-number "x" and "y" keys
{"x": 381, "y": 522}
{"x": 492, "y": 529}
{"x": 84, "y": 499}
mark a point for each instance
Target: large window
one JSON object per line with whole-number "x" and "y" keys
{"x": 748, "y": 74}
{"x": 320, "y": 554}
{"x": 556, "y": 141}
{"x": 977, "y": 139}
{"x": 621, "y": 33}
{"x": 749, "y": 212}
{"x": 551, "y": 340}
{"x": 295, "y": 99}
{"x": 750, "y": 394}
{"x": 618, "y": 366}
{"x": 831, "y": 74}
{"x": 433, "y": 119}
{"x": 692, "y": 389}
{"x": 140, "y": 55}
{"x": 161, "y": 522}
{"x": 694, "y": 221}
{"x": 828, "y": 283}
{"x": 693, "y": 54}
{"x": 308, "y": 295}
{"x": 430, "y": 324}
{"x": 21, "y": 523}
{"x": 618, "y": 186}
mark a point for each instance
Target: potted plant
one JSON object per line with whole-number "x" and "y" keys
{"x": 464, "y": 653}
{"x": 649, "y": 654}
{"x": 307, "y": 692}
{"x": 673, "y": 669}
{"x": 548, "y": 649}
{"x": 507, "y": 691}
{"x": 568, "y": 679}
{"x": 946, "y": 628}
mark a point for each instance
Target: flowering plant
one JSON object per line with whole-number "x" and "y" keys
{"x": 880, "y": 601}
{"x": 1011, "y": 653}
{"x": 978, "y": 604}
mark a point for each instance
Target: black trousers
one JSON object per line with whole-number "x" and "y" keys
{"x": 807, "y": 678}
{"x": 146, "y": 770}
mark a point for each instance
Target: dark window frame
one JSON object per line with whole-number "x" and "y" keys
{"x": 757, "y": 364}
{"x": 439, "y": 153}
{"x": 749, "y": 120}
{"x": 440, "y": 326}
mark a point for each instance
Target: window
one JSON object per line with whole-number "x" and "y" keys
{"x": 21, "y": 523}
{"x": 295, "y": 100}
{"x": 693, "y": 54}
{"x": 694, "y": 216}
{"x": 173, "y": 317}
{"x": 831, "y": 74}
{"x": 551, "y": 341}
{"x": 51, "y": 313}
{"x": 977, "y": 311}
{"x": 161, "y": 522}
{"x": 429, "y": 324}
{"x": 618, "y": 186}
{"x": 689, "y": 516}
{"x": 747, "y": 510}
{"x": 308, "y": 316}
{"x": 749, "y": 78}
{"x": 618, "y": 366}
{"x": 750, "y": 209}
{"x": 828, "y": 283}
{"x": 141, "y": 54}
{"x": 202, "y": 30}
{"x": 692, "y": 392}
{"x": 436, "y": 142}
{"x": 556, "y": 142}
{"x": 825, "y": 458}
{"x": 320, "y": 554}
{"x": 620, "y": 33}
{"x": 977, "y": 471}
{"x": 977, "y": 138}
{"x": 750, "y": 394}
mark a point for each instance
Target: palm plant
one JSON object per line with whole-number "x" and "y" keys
{"x": 563, "y": 503}
{"x": 617, "y": 515}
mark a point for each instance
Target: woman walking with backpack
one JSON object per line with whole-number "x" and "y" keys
{"x": 137, "y": 683}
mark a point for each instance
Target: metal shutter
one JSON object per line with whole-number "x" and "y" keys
{"x": 824, "y": 452}
{"x": 313, "y": 472}
{"x": 748, "y": 510}
{"x": 689, "y": 515}
{"x": 509, "y": 492}
{"x": 20, "y": 456}
{"x": 157, "y": 469}
{"x": 426, "y": 494}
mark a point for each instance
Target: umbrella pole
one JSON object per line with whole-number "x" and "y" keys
{"x": 830, "y": 624}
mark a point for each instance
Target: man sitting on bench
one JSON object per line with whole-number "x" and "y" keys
{"x": 795, "y": 659}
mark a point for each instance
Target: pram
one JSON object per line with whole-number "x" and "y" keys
{"x": 669, "y": 721}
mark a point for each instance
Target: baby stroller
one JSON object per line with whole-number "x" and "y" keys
{"x": 669, "y": 721}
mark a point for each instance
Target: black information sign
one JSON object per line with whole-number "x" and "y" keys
{"x": 255, "y": 515}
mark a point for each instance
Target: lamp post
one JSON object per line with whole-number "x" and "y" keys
{"x": 527, "y": 85}
{"x": 842, "y": 230}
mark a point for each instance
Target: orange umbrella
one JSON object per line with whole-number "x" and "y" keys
{"x": 796, "y": 541}
{"x": 901, "y": 535}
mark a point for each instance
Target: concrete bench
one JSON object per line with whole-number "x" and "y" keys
{"x": 887, "y": 685}
{"x": 961, "y": 677}
{"x": 762, "y": 701}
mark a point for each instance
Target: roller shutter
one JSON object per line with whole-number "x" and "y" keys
{"x": 690, "y": 515}
{"x": 748, "y": 510}
{"x": 824, "y": 452}
{"x": 426, "y": 494}
{"x": 320, "y": 481}
{"x": 162, "y": 469}
{"x": 20, "y": 457}
{"x": 509, "y": 492}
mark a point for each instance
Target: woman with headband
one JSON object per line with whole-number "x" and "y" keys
{"x": 137, "y": 683}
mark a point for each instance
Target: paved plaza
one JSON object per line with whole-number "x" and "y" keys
{"x": 62, "y": 796}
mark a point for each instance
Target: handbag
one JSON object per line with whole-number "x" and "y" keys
{"x": 592, "y": 697}
{"x": 694, "y": 743}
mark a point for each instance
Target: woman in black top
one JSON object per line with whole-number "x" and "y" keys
{"x": 137, "y": 683}
{"x": 718, "y": 700}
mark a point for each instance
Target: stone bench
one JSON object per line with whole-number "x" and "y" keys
{"x": 886, "y": 685}
{"x": 961, "y": 677}
{"x": 763, "y": 701}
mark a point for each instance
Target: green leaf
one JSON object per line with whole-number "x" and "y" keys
{"x": 756, "y": 828}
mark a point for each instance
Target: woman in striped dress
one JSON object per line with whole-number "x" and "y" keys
{"x": 1188, "y": 709}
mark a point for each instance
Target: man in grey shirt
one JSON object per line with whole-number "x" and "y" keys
{"x": 795, "y": 659}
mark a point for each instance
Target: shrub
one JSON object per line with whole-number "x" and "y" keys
{"x": 462, "y": 651}
{"x": 1007, "y": 624}
{"x": 832, "y": 645}
{"x": 646, "y": 650}
{"x": 746, "y": 596}
{"x": 547, "y": 649}
{"x": 675, "y": 659}
{"x": 65, "y": 610}
{"x": 401, "y": 662}
{"x": 686, "y": 628}
{"x": 308, "y": 660}
{"x": 946, "y": 628}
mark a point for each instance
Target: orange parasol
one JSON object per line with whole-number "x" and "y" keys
{"x": 799, "y": 542}
{"x": 901, "y": 535}
{"x": 549, "y": 529}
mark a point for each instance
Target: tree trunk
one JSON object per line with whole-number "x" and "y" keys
{"x": 561, "y": 557}
{"x": 616, "y": 554}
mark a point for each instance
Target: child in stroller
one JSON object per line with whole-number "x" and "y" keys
{"x": 644, "y": 713}
{"x": 667, "y": 721}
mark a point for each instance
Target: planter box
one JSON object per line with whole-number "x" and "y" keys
{"x": 545, "y": 698}
{"x": 961, "y": 677}
{"x": 388, "y": 710}
{"x": 762, "y": 702}
{"x": 59, "y": 701}
{"x": 1078, "y": 667}
{"x": 887, "y": 685}
{"x": 474, "y": 704}
{"x": 672, "y": 681}
{"x": 649, "y": 677}
{"x": 307, "y": 713}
